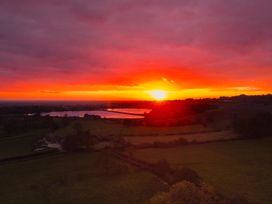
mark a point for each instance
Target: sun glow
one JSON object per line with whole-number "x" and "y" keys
{"x": 158, "y": 95}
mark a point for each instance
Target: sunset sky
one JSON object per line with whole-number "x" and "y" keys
{"x": 122, "y": 49}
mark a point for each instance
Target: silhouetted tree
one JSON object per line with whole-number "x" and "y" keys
{"x": 259, "y": 125}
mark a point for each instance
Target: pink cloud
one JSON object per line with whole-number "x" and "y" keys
{"x": 94, "y": 42}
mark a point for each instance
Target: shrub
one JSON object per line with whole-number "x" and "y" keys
{"x": 79, "y": 140}
{"x": 172, "y": 176}
{"x": 188, "y": 193}
{"x": 185, "y": 174}
{"x": 260, "y": 125}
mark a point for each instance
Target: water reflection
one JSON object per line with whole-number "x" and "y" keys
{"x": 118, "y": 113}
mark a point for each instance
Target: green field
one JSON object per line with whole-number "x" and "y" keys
{"x": 240, "y": 168}
{"x": 77, "y": 178}
{"x": 195, "y": 137}
{"x": 104, "y": 127}
{"x": 23, "y": 143}
{"x": 19, "y": 145}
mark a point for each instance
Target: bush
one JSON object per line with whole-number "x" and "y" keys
{"x": 185, "y": 174}
{"x": 259, "y": 125}
{"x": 79, "y": 140}
{"x": 188, "y": 193}
{"x": 172, "y": 176}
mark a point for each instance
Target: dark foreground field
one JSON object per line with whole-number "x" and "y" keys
{"x": 80, "y": 178}
{"x": 234, "y": 155}
{"x": 240, "y": 168}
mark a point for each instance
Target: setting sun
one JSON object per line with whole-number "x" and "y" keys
{"x": 158, "y": 95}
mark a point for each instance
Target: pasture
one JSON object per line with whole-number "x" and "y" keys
{"x": 110, "y": 127}
{"x": 19, "y": 145}
{"x": 192, "y": 137}
{"x": 76, "y": 178}
{"x": 240, "y": 168}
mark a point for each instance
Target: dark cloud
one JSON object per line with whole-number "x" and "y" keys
{"x": 92, "y": 41}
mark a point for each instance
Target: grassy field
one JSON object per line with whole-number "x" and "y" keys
{"x": 23, "y": 143}
{"x": 198, "y": 137}
{"x": 78, "y": 178}
{"x": 69, "y": 178}
{"x": 103, "y": 127}
{"x": 236, "y": 167}
{"x": 19, "y": 145}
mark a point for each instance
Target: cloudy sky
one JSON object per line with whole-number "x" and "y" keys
{"x": 117, "y": 49}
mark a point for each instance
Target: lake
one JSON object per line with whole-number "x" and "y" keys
{"x": 116, "y": 113}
